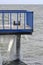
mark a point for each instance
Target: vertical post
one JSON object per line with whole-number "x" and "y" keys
{"x": 8, "y": 18}
{"x": 24, "y": 20}
{"x": 18, "y": 46}
{"x": 3, "y": 19}
{"x": 10, "y": 22}
{"x": 17, "y": 20}
{"x": 20, "y": 18}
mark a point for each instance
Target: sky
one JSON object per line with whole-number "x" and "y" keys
{"x": 21, "y": 1}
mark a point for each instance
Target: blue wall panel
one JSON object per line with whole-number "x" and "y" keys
{"x": 30, "y": 19}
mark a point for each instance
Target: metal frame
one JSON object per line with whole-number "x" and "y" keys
{"x": 29, "y": 19}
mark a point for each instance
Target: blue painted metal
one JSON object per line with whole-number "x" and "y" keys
{"x": 10, "y": 22}
{"x": 29, "y": 20}
{"x": 17, "y": 20}
{"x": 20, "y": 18}
{"x": 3, "y": 20}
{"x": 8, "y": 18}
{"x": 24, "y": 20}
{"x": 11, "y": 31}
{"x": 12, "y": 11}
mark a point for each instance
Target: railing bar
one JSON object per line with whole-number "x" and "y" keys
{"x": 3, "y": 20}
{"x": 10, "y": 22}
{"x": 17, "y": 20}
{"x": 24, "y": 20}
{"x": 8, "y": 18}
{"x": 20, "y": 18}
